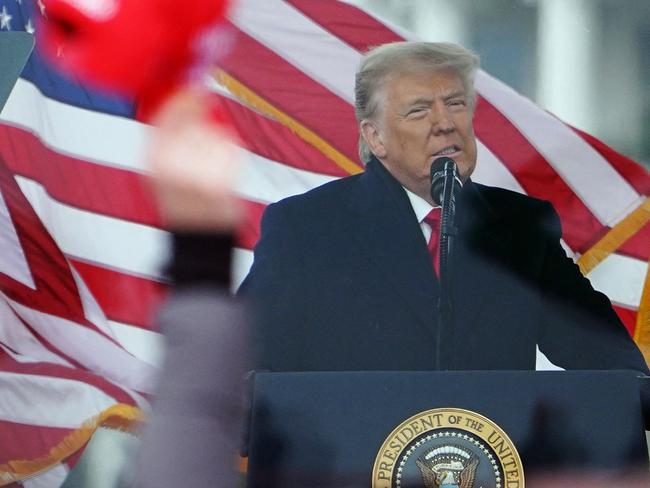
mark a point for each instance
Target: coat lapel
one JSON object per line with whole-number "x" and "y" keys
{"x": 394, "y": 243}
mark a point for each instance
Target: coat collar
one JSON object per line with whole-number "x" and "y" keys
{"x": 381, "y": 190}
{"x": 390, "y": 235}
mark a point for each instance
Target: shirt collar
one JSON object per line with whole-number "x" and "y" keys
{"x": 420, "y": 206}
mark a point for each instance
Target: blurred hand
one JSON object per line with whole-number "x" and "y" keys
{"x": 194, "y": 164}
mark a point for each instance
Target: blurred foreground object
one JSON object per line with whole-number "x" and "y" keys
{"x": 194, "y": 432}
{"x": 195, "y": 162}
{"x": 159, "y": 54}
{"x": 195, "y": 428}
{"x": 141, "y": 48}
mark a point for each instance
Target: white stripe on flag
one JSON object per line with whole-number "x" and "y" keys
{"x": 92, "y": 350}
{"x": 140, "y": 249}
{"x": 52, "y": 478}
{"x": 92, "y": 311}
{"x": 491, "y": 171}
{"x": 267, "y": 181}
{"x": 135, "y": 248}
{"x": 18, "y": 338}
{"x": 542, "y": 363}
{"x": 49, "y": 401}
{"x": 579, "y": 165}
{"x": 242, "y": 260}
{"x": 325, "y": 58}
{"x": 12, "y": 257}
{"x": 144, "y": 344}
{"x": 91, "y": 136}
{"x": 621, "y": 278}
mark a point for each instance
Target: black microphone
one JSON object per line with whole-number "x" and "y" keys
{"x": 443, "y": 170}
{"x": 444, "y": 185}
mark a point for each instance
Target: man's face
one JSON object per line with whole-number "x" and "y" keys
{"x": 422, "y": 115}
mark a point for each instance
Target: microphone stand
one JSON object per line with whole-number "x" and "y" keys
{"x": 447, "y": 233}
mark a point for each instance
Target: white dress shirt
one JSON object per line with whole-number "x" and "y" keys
{"x": 421, "y": 208}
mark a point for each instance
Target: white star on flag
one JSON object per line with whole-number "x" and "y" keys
{"x": 29, "y": 27}
{"x": 5, "y": 19}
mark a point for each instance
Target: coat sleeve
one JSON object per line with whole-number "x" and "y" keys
{"x": 580, "y": 328}
{"x": 277, "y": 288}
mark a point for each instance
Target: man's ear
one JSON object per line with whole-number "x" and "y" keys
{"x": 373, "y": 138}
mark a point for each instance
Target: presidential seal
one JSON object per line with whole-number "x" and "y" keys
{"x": 448, "y": 448}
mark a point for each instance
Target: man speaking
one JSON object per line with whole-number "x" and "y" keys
{"x": 346, "y": 276}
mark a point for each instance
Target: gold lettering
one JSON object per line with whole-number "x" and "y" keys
{"x": 474, "y": 425}
{"x": 513, "y": 473}
{"x": 382, "y": 476}
{"x": 427, "y": 422}
{"x": 406, "y": 435}
{"x": 499, "y": 444}
{"x": 493, "y": 437}
{"x": 454, "y": 419}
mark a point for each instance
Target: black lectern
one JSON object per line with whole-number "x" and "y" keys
{"x": 336, "y": 429}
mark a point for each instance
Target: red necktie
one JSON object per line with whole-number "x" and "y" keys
{"x": 433, "y": 219}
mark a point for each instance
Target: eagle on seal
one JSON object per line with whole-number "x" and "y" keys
{"x": 449, "y": 466}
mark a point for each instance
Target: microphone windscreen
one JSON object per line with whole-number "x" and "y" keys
{"x": 438, "y": 166}
{"x": 437, "y": 175}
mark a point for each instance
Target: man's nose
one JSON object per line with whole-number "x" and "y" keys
{"x": 441, "y": 120}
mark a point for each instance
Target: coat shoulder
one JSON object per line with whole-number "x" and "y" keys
{"x": 332, "y": 195}
{"x": 524, "y": 213}
{"x": 512, "y": 204}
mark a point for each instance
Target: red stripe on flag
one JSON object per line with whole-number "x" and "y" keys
{"x": 10, "y": 365}
{"x": 101, "y": 189}
{"x": 308, "y": 102}
{"x": 538, "y": 179}
{"x": 271, "y": 140}
{"x": 350, "y": 24}
{"x": 56, "y": 291}
{"x": 635, "y": 174}
{"x": 35, "y": 441}
{"x": 122, "y": 297}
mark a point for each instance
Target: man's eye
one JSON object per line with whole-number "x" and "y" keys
{"x": 415, "y": 112}
{"x": 456, "y": 103}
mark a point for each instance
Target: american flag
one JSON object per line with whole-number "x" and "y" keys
{"x": 82, "y": 242}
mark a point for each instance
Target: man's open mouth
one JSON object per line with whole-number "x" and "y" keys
{"x": 447, "y": 150}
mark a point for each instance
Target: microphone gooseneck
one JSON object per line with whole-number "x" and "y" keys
{"x": 445, "y": 183}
